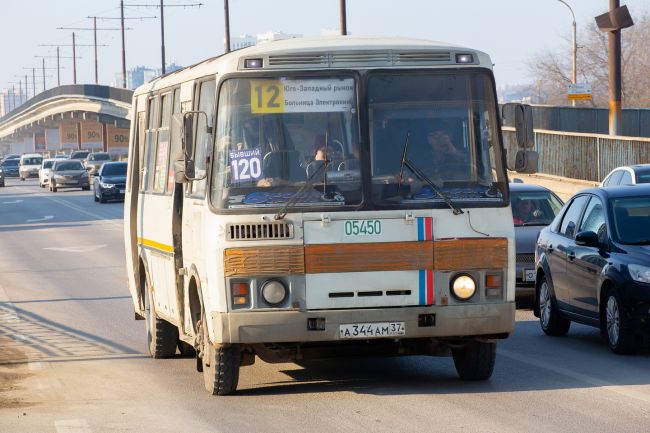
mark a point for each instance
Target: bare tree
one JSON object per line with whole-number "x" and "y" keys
{"x": 551, "y": 70}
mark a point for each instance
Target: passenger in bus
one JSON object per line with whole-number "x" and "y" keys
{"x": 443, "y": 149}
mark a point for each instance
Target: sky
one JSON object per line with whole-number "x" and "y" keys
{"x": 511, "y": 31}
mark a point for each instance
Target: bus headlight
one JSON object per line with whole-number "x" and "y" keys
{"x": 463, "y": 287}
{"x": 274, "y": 292}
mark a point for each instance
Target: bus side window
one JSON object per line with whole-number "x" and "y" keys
{"x": 150, "y": 143}
{"x": 203, "y": 138}
{"x": 174, "y": 139}
{"x": 162, "y": 151}
{"x": 142, "y": 126}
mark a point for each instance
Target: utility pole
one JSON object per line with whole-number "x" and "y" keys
{"x": 226, "y": 12}
{"x": 613, "y": 22}
{"x": 43, "y": 74}
{"x": 162, "y": 6}
{"x": 574, "y": 76}
{"x": 343, "y": 16}
{"x": 94, "y": 29}
{"x": 122, "y": 29}
{"x": 58, "y": 58}
{"x": 74, "y": 60}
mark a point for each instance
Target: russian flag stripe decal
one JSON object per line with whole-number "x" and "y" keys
{"x": 425, "y": 233}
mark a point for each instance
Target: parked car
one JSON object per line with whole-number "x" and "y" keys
{"x": 61, "y": 156}
{"x": 2, "y": 177}
{"x": 110, "y": 182}
{"x": 593, "y": 266}
{"x": 69, "y": 174}
{"x": 79, "y": 154}
{"x": 628, "y": 175}
{"x": 44, "y": 172}
{"x": 533, "y": 208}
{"x": 95, "y": 161}
{"x": 29, "y": 165}
{"x": 10, "y": 167}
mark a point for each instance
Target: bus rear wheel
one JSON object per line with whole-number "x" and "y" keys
{"x": 475, "y": 360}
{"x": 161, "y": 335}
{"x": 220, "y": 365}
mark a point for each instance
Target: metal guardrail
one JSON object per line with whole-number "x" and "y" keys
{"x": 89, "y": 90}
{"x": 581, "y": 156}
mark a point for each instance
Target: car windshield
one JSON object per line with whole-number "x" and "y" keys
{"x": 11, "y": 163}
{"x": 68, "y": 165}
{"x": 114, "y": 169}
{"x": 47, "y": 164}
{"x": 534, "y": 208}
{"x": 632, "y": 219}
{"x": 99, "y": 157}
{"x": 285, "y": 139}
{"x": 446, "y": 126}
{"x": 32, "y": 161}
{"x": 79, "y": 155}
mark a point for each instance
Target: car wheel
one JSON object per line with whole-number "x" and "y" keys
{"x": 53, "y": 187}
{"x": 85, "y": 188}
{"x": 475, "y": 361}
{"x": 549, "y": 316}
{"x": 102, "y": 199}
{"x": 220, "y": 365}
{"x": 620, "y": 337}
{"x": 161, "y": 335}
{"x": 22, "y": 179}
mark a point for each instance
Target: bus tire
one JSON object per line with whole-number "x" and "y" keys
{"x": 220, "y": 365}
{"x": 186, "y": 350}
{"x": 475, "y": 360}
{"x": 161, "y": 335}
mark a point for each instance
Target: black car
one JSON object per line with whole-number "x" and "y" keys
{"x": 533, "y": 208}
{"x": 68, "y": 174}
{"x": 10, "y": 167}
{"x": 110, "y": 182}
{"x": 593, "y": 266}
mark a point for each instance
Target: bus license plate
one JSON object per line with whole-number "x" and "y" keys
{"x": 371, "y": 330}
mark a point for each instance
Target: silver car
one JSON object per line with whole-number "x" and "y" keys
{"x": 533, "y": 208}
{"x": 69, "y": 174}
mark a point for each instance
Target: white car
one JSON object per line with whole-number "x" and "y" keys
{"x": 628, "y": 175}
{"x": 44, "y": 172}
{"x": 30, "y": 164}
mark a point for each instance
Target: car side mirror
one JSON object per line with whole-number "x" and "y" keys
{"x": 587, "y": 239}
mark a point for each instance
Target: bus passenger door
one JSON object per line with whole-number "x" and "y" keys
{"x": 194, "y": 204}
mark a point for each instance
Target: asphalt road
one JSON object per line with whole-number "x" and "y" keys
{"x": 72, "y": 359}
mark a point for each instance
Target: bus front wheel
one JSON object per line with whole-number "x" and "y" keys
{"x": 161, "y": 335}
{"x": 475, "y": 360}
{"x": 220, "y": 365}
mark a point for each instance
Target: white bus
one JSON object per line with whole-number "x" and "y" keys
{"x": 315, "y": 198}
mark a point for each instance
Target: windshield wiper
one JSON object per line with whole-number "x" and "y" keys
{"x": 423, "y": 177}
{"x": 282, "y": 212}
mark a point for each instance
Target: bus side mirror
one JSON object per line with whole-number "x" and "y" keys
{"x": 526, "y": 161}
{"x": 524, "y": 126}
{"x": 184, "y": 169}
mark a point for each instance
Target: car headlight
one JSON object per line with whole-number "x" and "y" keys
{"x": 106, "y": 185}
{"x": 0, "y": 170}
{"x": 639, "y": 273}
{"x": 463, "y": 287}
{"x": 274, "y": 292}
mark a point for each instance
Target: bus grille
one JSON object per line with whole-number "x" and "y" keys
{"x": 259, "y": 231}
{"x": 526, "y": 258}
{"x": 360, "y": 59}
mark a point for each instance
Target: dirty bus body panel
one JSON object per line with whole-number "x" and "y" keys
{"x": 321, "y": 197}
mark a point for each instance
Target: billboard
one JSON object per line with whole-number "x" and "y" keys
{"x": 68, "y": 135}
{"x": 39, "y": 141}
{"x": 92, "y": 135}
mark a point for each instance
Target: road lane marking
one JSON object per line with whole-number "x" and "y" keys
{"x": 580, "y": 377}
{"x": 81, "y": 249}
{"x": 72, "y": 426}
{"x": 13, "y": 202}
{"x": 45, "y": 218}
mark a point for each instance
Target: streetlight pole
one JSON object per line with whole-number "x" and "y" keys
{"x": 226, "y": 26}
{"x": 343, "y": 17}
{"x": 574, "y": 78}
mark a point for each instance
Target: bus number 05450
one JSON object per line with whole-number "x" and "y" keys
{"x": 362, "y": 227}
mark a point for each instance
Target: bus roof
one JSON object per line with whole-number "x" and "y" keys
{"x": 321, "y": 52}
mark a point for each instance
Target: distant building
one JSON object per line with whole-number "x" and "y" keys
{"x": 10, "y": 100}
{"x": 244, "y": 41}
{"x": 136, "y": 77}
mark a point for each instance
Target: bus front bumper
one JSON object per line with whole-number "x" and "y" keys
{"x": 251, "y": 327}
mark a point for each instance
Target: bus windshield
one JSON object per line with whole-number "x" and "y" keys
{"x": 447, "y": 123}
{"x": 287, "y": 138}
